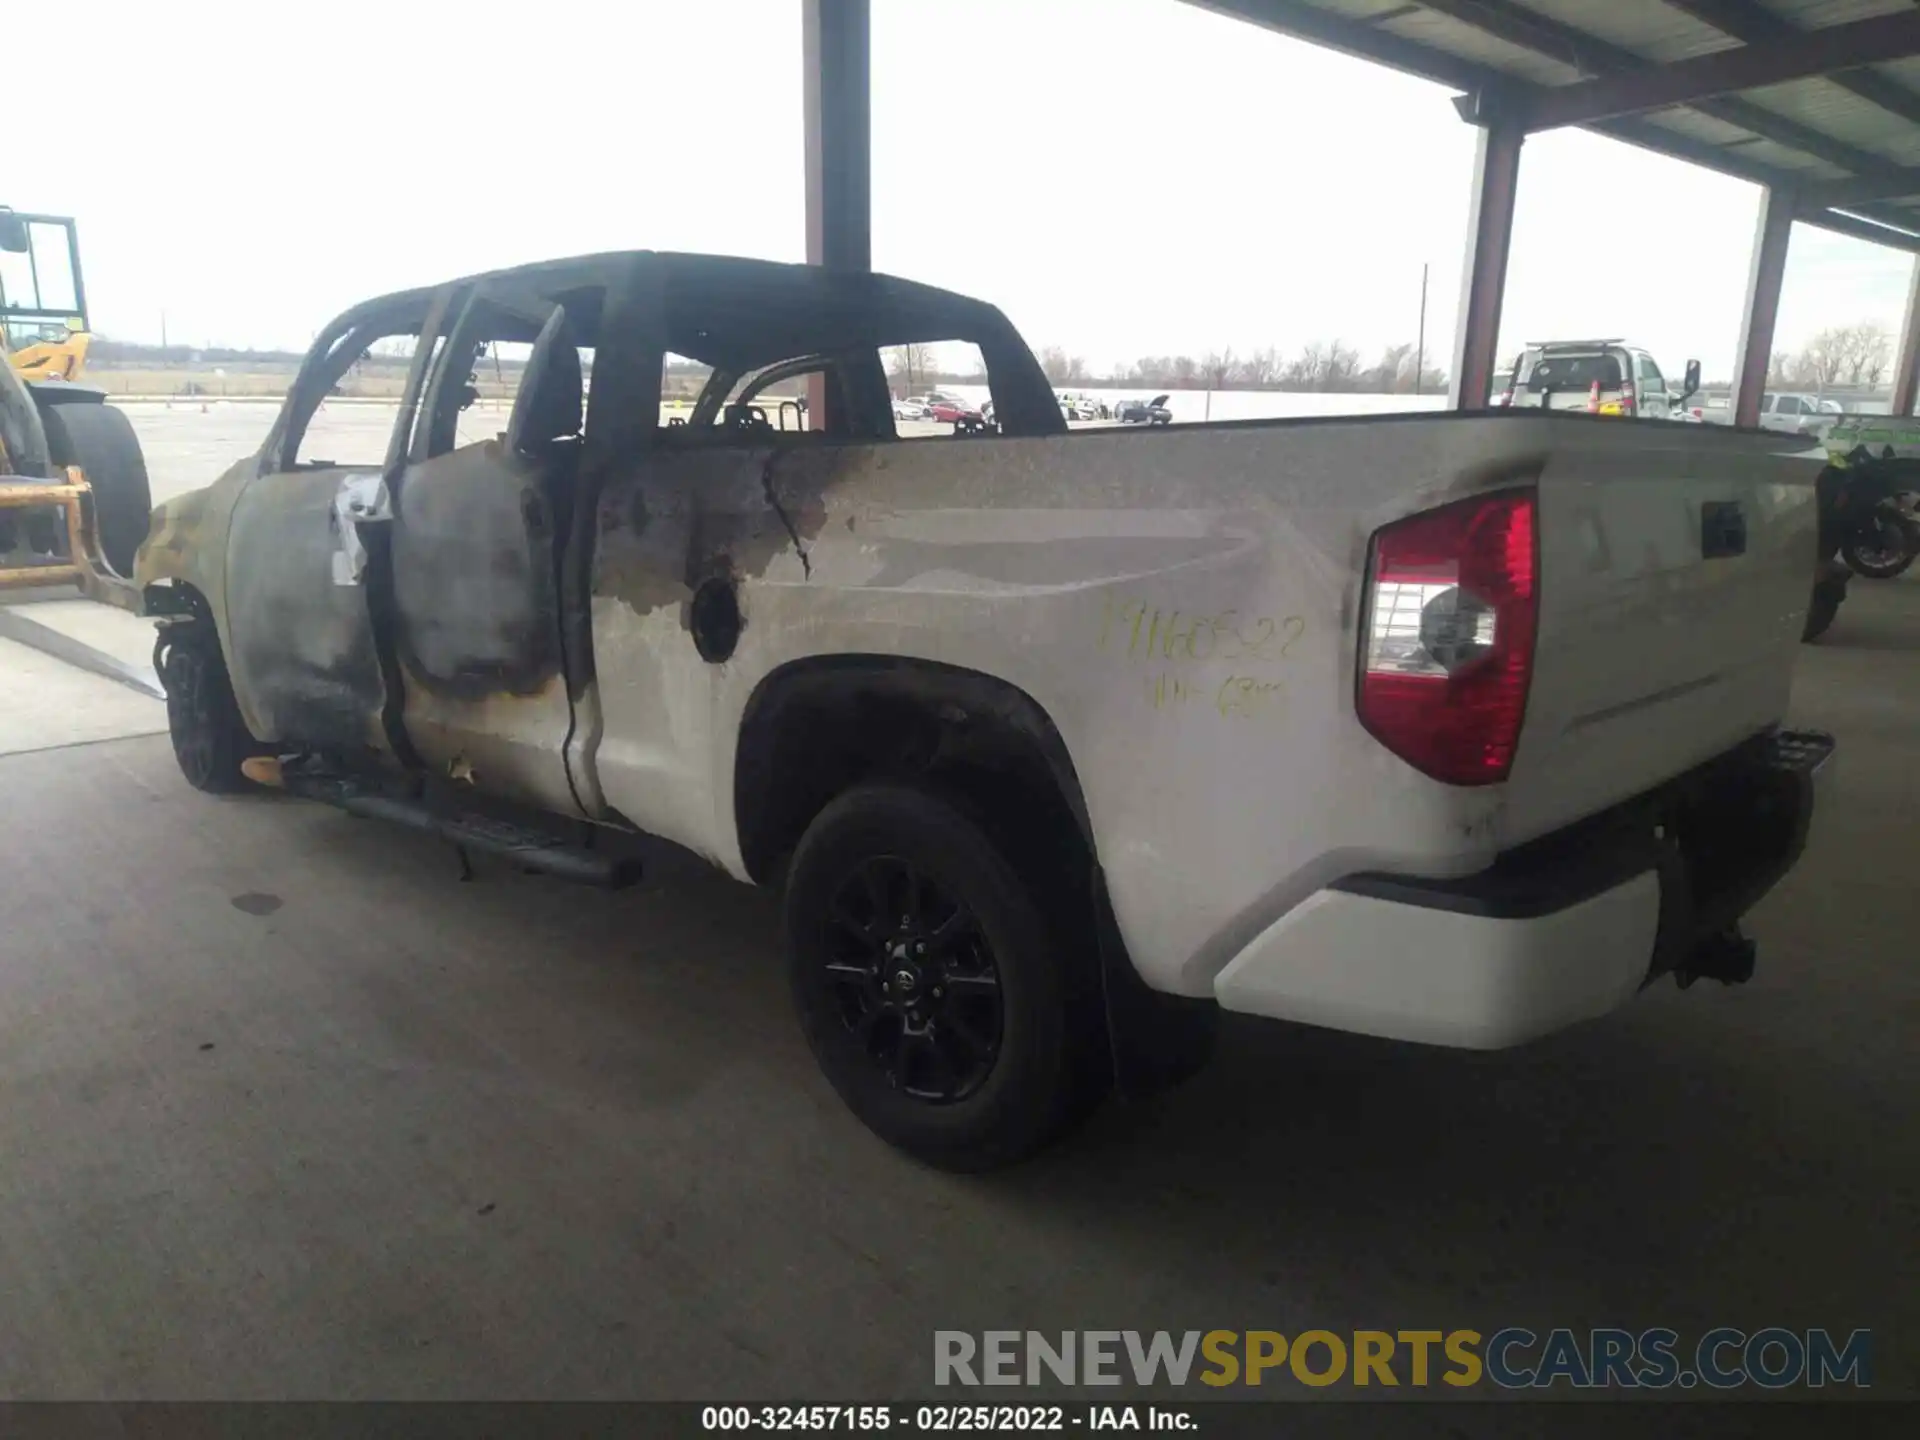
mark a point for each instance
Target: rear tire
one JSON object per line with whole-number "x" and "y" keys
{"x": 945, "y": 1009}
{"x": 210, "y": 740}
{"x": 100, "y": 440}
{"x": 1883, "y": 562}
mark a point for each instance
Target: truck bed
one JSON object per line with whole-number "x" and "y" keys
{"x": 1184, "y": 604}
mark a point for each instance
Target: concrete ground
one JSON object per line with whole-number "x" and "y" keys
{"x": 288, "y": 1111}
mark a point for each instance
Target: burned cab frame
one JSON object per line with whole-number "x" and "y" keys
{"x": 430, "y": 612}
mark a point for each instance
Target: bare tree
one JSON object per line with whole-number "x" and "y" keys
{"x": 911, "y": 366}
{"x": 1060, "y": 367}
{"x": 1303, "y": 371}
{"x": 1261, "y": 368}
{"x": 1824, "y": 358}
{"x": 1873, "y": 355}
{"x": 1342, "y": 368}
{"x": 1394, "y": 373}
{"x": 1218, "y": 368}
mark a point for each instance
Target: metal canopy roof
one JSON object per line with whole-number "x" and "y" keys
{"x": 1818, "y": 99}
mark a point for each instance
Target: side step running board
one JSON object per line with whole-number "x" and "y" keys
{"x": 533, "y": 849}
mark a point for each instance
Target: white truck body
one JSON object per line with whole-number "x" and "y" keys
{"x": 1206, "y": 631}
{"x": 1227, "y": 778}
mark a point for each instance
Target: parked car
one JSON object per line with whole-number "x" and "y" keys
{"x": 912, "y": 409}
{"x": 1144, "y": 412}
{"x": 1799, "y": 414}
{"x": 954, "y": 412}
{"x": 1080, "y": 407}
{"x": 1605, "y": 377}
{"x": 1056, "y": 746}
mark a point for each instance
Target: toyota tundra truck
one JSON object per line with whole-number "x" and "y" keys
{"x": 1455, "y": 729}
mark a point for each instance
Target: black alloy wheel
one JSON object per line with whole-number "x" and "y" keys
{"x": 945, "y": 992}
{"x": 915, "y": 978}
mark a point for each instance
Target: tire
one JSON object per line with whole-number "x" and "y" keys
{"x": 203, "y": 719}
{"x": 1873, "y": 562}
{"x": 973, "y": 1039}
{"x": 1825, "y": 606}
{"x": 100, "y": 440}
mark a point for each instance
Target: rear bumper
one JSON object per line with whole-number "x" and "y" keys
{"x": 1560, "y": 930}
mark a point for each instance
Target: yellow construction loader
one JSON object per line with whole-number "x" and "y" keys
{"x": 74, "y": 499}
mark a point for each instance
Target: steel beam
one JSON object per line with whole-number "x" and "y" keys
{"x": 1850, "y": 193}
{"x": 1722, "y": 72}
{"x": 1361, "y": 39}
{"x": 836, "y": 91}
{"x": 1893, "y": 237}
{"x": 1906, "y": 371}
{"x": 1765, "y": 272}
{"x": 1591, "y": 55}
{"x": 1749, "y": 23}
{"x": 1496, "y": 181}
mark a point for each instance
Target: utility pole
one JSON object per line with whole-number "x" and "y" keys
{"x": 1420, "y": 348}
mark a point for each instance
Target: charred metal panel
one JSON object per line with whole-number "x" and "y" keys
{"x": 300, "y": 647}
{"x": 478, "y": 627}
{"x": 473, "y": 574}
{"x": 187, "y": 544}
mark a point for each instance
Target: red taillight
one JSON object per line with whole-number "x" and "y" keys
{"x": 1626, "y": 398}
{"x": 1447, "y": 636}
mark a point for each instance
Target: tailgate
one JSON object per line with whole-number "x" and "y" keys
{"x": 1570, "y": 400}
{"x": 1675, "y": 569}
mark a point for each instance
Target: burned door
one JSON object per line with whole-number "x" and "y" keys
{"x": 481, "y": 514}
{"x": 303, "y": 571}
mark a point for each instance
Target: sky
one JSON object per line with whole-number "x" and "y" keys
{"x": 1122, "y": 177}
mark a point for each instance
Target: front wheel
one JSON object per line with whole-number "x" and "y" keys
{"x": 1883, "y": 546}
{"x": 210, "y": 740}
{"x": 950, "y": 1016}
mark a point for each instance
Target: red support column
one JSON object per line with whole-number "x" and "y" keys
{"x": 1496, "y": 180}
{"x": 1764, "y": 274}
{"x": 1906, "y": 372}
{"x": 836, "y": 90}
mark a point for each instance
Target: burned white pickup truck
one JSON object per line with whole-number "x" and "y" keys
{"x": 1454, "y": 729}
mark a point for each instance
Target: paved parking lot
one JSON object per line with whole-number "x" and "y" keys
{"x": 290, "y": 1111}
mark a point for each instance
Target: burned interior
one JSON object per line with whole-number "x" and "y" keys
{"x": 430, "y": 609}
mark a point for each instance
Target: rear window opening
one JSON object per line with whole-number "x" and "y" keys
{"x": 1574, "y": 372}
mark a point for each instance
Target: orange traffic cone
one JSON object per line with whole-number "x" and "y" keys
{"x": 1593, "y": 399}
